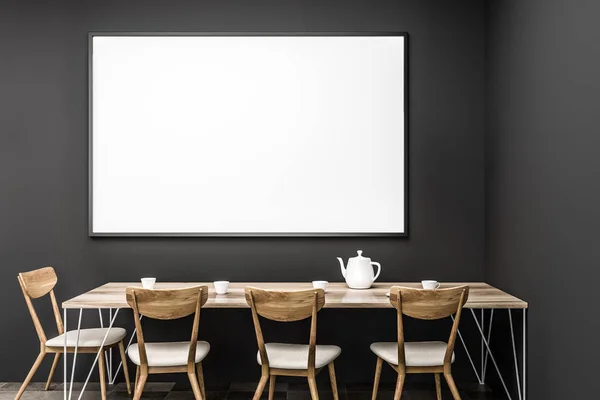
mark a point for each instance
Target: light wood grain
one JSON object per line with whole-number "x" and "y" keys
{"x": 282, "y": 306}
{"x": 34, "y": 285}
{"x": 285, "y": 306}
{"x": 425, "y": 305}
{"x": 168, "y": 304}
{"x": 338, "y": 295}
{"x": 39, "y": 282}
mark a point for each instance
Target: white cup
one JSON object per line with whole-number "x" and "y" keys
{"x": 430, "y": 285}
{"x": 221, "y": 287}
{"x": 148, "y": 283}
{"x": 320, "y": 285}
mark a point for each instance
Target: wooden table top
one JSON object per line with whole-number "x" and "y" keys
{"x": 338, "y": 295}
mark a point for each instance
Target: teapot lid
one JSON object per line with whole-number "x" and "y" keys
{"x": 360, "y": 253}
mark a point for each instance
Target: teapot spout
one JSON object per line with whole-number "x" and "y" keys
{"x": 342, "y": 266}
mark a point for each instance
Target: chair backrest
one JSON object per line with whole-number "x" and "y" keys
{"x": 167, "y": 304}
{"x": 36, "y": 284}
{"x": 428, "y": 305}
{"x": 284, "y": 306}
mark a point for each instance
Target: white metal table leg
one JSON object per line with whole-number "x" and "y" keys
{"x": 109, "y": 354}
{"x": 489, "y": 340}
{"x": 98, "y": 354}
{"x": 487, "y": 345}
{"x": 514, "y": 349}
{"x": 524, "y": 354}
{"x": 482, "y": 381}
{"x": 105, "y": 352}
{"x": 126, "y": 351}
{"x": 65, "y": 356}
{"x": 75, "y": 352}
{"x": 468, "y": 354}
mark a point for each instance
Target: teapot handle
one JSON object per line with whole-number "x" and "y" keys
{"x": 378, "y": 270}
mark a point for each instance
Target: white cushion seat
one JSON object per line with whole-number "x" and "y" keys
{"x": 88, "y": 338}
{"x": 416, "y": 354}
{"x": 168, "y": 354}
{"x": 295, "y": 356}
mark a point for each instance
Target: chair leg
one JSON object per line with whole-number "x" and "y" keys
{"x": 452, "y": 386}
{"x": 195, "y": 387}
{"x": 312, "y": 384}
{"x": 137, "y": 377}
{"x": 272, "y": 387}
{"x": 399, "y": 386}
{"x": 334, "y": 388}
{"x": 52, "y": 369}
{"x": 261, "y": 386}
{"x": 32, "y": 371}
{"x": 377, "y": 376}
{"x": 200, "y": 374}
{"x": 125, "y": 368}
{"x": 141, "y": 382}
{"x": 102, "y": 371}
{"x": 438, "y": 386}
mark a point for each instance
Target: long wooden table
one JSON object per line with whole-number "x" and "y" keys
{"x": 482, "y": 297}
{"x": 338, "y": 295}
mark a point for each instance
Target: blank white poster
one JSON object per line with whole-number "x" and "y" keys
{"x": 267, "y": 135}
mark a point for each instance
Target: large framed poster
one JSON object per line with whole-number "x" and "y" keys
{"x": 248, "y": 134}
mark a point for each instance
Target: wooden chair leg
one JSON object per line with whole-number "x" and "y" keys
{"x": 52, "y": 369}
{"x": 452, "y": 386}
{"x": 125, "y": 368}
{"x": 32, "y": 372}
{"x": 261, "y": 386}
{"x": 312, "y": 384}
{"x": 438, "y": 386}
{"x": 377, "y": 376}
{"x": 137, "y": 377}
{"x": 334, "y": 388}
{"x": 102, "y": 371}
{"x": 194, "y": 381}
{"x": 200, "y": 374}
{"x": 272, "y": 387}
{"x": 399, "y": 386}
{"x": 141, "y": 382}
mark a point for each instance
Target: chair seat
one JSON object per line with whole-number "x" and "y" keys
{"x": 295, "y": 356}
{"x": 416, "y": 354}
{"x": 168, "y": 354}
{"x": 88, "y": 338}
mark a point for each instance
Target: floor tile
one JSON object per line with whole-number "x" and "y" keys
{"x": 381, "y": 395}
{"x": 181, "y": 395}
{"x": 297, "y": 390}
{"x": 251, "y": 387}
{"x": 36, "y": 395}
{"x": 323, "y": 395}
{"x": 249, "y": 395}
{"x": 33, "y": 386}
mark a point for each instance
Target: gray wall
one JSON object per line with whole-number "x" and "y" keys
{"x": 43, "y": 168}
{"x": 543, "y": 193}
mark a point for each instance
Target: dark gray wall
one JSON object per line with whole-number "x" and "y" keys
{"x": 543, "y": 193}
{"x": 43, "y": 167}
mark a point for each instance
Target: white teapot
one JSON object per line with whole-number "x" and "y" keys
{"x": 359, "y": 272}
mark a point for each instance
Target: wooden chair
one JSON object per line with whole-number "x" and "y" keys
{"x": 168, "y": 357}
{"x": 291, "y": 359}
{"x": 40, "y": 282}
{"x": 422, "y": 357}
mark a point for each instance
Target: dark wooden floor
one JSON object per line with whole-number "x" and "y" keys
{"x": 243, "y": 391}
